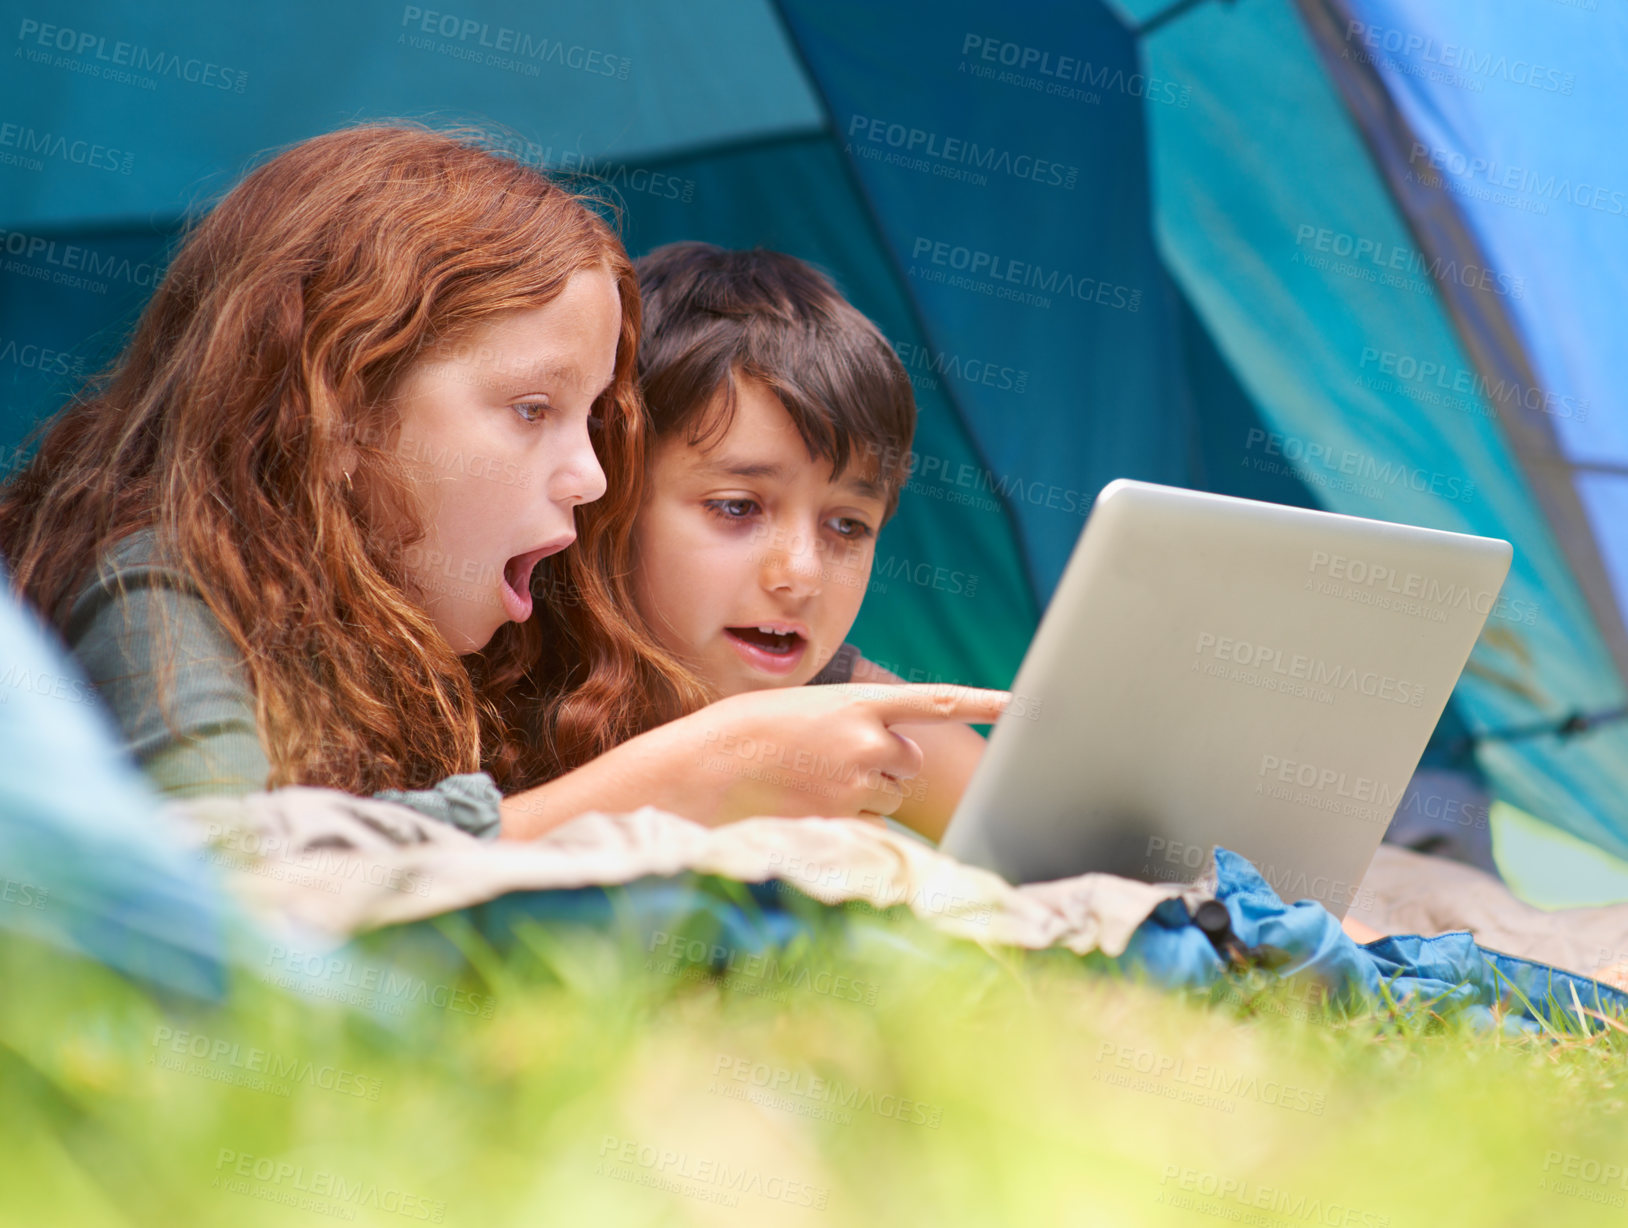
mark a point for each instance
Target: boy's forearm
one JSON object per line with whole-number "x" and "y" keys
{"x": 643, "y": 771}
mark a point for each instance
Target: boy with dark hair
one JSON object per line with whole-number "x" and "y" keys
{"x": 783, "y": 423}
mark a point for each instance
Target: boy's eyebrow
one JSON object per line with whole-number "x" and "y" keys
{"x": 866, "y": 487}
{"x": 725, "y": 467}
{"x": 774, "y": 471}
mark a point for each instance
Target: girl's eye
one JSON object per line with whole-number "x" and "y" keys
{"x": 731, "y": 509}
{"x": 847, "y": 526}
{"x": 531, "y": 411}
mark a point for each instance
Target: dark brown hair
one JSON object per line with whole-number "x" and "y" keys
{"x": 271, "y": 347}
{"x": 712, "y": 315}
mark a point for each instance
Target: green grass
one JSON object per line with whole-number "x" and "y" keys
{"x": 963, "y": 1086}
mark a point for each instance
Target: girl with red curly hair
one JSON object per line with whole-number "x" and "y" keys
{"x": 354, "y": 509}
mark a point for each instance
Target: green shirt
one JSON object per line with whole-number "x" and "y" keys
{"x": 210, "y": 744}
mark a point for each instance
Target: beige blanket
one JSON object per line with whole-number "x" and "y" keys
{"x": 316, "y": 859}
{"x": 1410, "y": 893}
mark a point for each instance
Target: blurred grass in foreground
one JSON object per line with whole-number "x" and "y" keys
{"x": 879, "y": 1075}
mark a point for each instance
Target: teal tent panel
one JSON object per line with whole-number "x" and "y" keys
{"x": 67, "y": 301}
{"x": 1260, "y": 184}
{"x": 948, "y": 600}
{"x": 117, "y": 111}
{"x": 1495, "y": 128}
{"x": 1018, "y": 215}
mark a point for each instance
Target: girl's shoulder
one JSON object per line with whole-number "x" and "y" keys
{"x": 134, "y": 564}
{"x": 166, "y": 670}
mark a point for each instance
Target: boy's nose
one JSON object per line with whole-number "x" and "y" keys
{"x": 792, "y": 564}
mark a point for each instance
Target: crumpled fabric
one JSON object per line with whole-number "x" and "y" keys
{"x": 326, "y": 861}
{"x": 316, "y": 862}
{"x": 470, "y": 802}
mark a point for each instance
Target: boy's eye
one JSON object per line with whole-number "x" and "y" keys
{"x": 731, "y": 509}
{"x": 531, "y": 411}
{"x": 847, "y": 526}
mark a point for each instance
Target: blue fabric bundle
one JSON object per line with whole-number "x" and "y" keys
{"x": 1304, "y": 939}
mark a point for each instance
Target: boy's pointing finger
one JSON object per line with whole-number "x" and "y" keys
{"x": 933, "y": 701}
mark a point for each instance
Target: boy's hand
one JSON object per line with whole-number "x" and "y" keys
{"x": 828, "y": 751}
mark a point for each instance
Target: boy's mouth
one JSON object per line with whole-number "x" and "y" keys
{"x": 770, "y": 647}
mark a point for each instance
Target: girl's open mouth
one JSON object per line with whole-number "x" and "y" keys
{"x": 767, "y": 648}
{"x": 516, "y": 589}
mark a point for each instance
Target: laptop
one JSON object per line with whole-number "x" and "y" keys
{"x": 1221, "y": 671}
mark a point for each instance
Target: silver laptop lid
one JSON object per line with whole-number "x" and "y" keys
{"x": 1215, "y": 670}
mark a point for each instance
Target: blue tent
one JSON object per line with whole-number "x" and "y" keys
{"x": 1354, "y": 254}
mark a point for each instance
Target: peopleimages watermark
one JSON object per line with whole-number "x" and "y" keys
{"x": 845, "y": 562}
{"x": 318, "y": 1190}
{"x": 268, "y": 855}
{"x": 1313, "y": 799}
{"x": 34, "y": 147}
{"x": 1391, "y": 263}
{"x": 923, "y": 365}
{"x": 756, "y": 974}
{"x": 121, "y": 62}
{"x": 1062, "y": 76}
{"x": 879, "y": 890}
{"x": 1447, "y": 377}
{"x": 1018, "y": 281}
{"x": 922, "y": 574}
{"x": 952, "y": 157}
{"x": 343, "y": 979}
{"x": 1585, "y": 1178}
{"x": 1170, "y": 861}
{"x": 1238, "y": 1199}
{"x": 1299, "y": 997}
{"x": 1300, "y": 667}
{"x": 597, "y": 171}
{"x": 810, "y": 1095}
{"x": 702, "y": 1177}
{"x": 1494, "y": 182}
{"x": 228, "y": 1061}
{"x": 31, "y": 356}
{"x": 1334, "y": 466}
{"x": 64, "y": 687}
{"x": 478, "y": 42}
{"x": 1326, "y": 779}
{"x": 22, "y": 894}
{"x": 1408, "y": 592}
{"x": 1202, "y": 1083}
{"x": 73, "y": 264}
{"x": 1445, "y": 808}
{"x": 622, "y": 176}
{"x": 1449, "y": 63}
{"x": 961, "y": 482}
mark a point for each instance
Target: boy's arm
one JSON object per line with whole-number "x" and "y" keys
{"x": 949, "y": 754}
